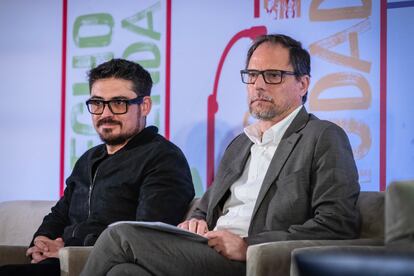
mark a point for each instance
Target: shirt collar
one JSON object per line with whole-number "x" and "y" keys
{"x": 273, "y": 134}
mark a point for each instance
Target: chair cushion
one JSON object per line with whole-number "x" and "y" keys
{"x": 399, "y": 214}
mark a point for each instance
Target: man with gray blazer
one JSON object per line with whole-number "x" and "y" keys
{"x": 289, "y": 176}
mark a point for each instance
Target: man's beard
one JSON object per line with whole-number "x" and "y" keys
{"x": 118, "y": 139}
{"x": 114, "y": 140}
{"x": 263, "y": 111}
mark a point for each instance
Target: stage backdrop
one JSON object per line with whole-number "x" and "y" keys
{"x": 194, "y": 51}
{"x": 206, "y": 105}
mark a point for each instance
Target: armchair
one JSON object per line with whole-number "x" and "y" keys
{"x": 395, "y": 258}
{"x": 20, "y": 220}
{"x": 274, "y": 258}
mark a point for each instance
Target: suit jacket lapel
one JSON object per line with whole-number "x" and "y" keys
{"x": 240, "y": 153}
{"x": 286, "y": 145}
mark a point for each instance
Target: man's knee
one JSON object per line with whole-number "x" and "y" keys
{"x": 127, "y": 269}
{"x": 127, "y": 231}
{"x": 120, "y": 231}
{"x": 122, "y": 236}
{"x": 114, "y": 233}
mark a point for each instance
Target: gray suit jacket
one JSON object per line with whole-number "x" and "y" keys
{"x": 309, "y": 191}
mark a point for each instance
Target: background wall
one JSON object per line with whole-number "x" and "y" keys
{"x": 30, "y": 58}
{"x": 31, "y": 75}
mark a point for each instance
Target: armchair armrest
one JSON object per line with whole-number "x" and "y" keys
{"x": 274, "y": 258}
{"x": 13, "y": 254}
{"x": 72, "y": 259}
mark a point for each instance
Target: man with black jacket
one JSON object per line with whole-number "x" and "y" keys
{"x": 135, "y": 175}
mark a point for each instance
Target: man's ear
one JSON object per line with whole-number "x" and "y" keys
{"x": 304, "y": 84}
{"x": 146, "y": 106}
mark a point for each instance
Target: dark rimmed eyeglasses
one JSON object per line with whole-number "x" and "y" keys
{"x": 269, "y": 76}
{"x": 117, "y": 106}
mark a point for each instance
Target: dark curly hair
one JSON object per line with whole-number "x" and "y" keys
{"x": 126, "y": 70}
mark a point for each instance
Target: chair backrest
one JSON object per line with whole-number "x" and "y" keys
{"x": 371, "y": 207}
{"x": 19, "y": 220}
{"x": 399, "y": 218}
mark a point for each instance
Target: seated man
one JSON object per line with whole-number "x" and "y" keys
{"x": 290, "y": 176}
{"x": 135, "y": 175}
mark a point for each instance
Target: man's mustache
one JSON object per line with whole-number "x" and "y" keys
{"x": 108, "y": 121}
{"x": 261, "y": 98}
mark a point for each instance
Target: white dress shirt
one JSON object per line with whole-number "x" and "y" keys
{"x": 238, "y": 209}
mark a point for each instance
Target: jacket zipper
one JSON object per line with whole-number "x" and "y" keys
{"x": 90, "y": 191}
{"x": 89, "y": 200}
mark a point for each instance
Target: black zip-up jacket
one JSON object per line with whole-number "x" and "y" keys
{"x": 147, "y": 180}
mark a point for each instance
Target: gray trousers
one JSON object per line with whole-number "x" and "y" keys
{"x": 132, "y": 250}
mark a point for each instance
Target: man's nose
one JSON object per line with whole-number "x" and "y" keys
{"x": 260, "y": 82}
{"x": 107, "y": 111}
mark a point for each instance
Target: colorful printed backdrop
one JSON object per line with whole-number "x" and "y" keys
{"x": 206, "y": 107}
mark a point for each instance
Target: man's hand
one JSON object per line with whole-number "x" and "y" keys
{"x": 227, "y": 244}
{"x": 36, "y": 253}
{"x": 198, "y": 226}
{"x": 44, "y": 248}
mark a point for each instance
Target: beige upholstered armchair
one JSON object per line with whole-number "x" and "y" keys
{"x": 20, "y": 219}
{"x": 274, "y": 258}
{"x": 396, "y": 257}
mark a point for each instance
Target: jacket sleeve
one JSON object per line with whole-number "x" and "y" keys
{"x": 334, "y": 192}
{"x": 200, "y": 212}
{"x": 84, "y": 233}
{"x": 167, "y": 188}
{"x": 55, "y": 222}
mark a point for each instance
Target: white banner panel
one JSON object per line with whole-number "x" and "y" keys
{"x": 345, "y": 85}
{"x": 99, "y": 30}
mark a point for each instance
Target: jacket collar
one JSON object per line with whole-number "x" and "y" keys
{"x": 142, "y": 138}
{"x": 298, "y": 123}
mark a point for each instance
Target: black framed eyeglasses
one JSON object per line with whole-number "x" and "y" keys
{"x": 117, "y": 106}
{"x": 269, "y": 76}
